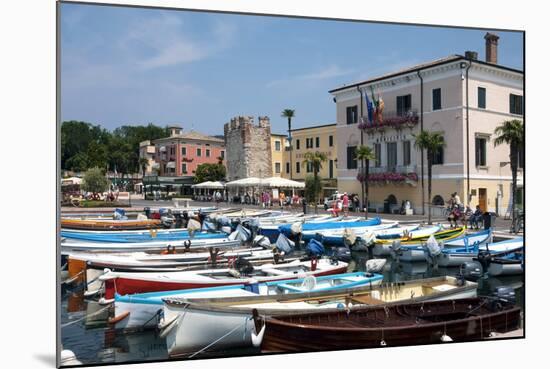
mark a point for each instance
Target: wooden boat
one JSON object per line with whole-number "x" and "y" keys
{"x": 109, "y": 224}
{"x": 127, "y": 283}
{"x": 137, "y": 311}
{"x": 394, "y": 325}
{"x": 68, "y": 246}
{"x": 384, "y": 247}
{"x": 192, "y": 323}
{"x": 414, "y": 253}
{"x": 457, "y": 255}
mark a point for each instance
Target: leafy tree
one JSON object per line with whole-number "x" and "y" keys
{"x": 365, "y": 154}
{"x": 511, "y": 132}
{"x": 77, "y": 162}
{"x": 143, "y": 162}
{"x": 312, "y": 188}
{"x": 431, "y": 142}
{"x": 316, "y": 160}
{"x": 209, "y": 172}
{"x": 94, "y": 181}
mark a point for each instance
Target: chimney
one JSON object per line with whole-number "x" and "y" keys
{"x": 491, "y": 46}
{"x": 472, "y": 55}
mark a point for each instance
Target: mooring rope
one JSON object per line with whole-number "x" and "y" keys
{"x": 219, "y": 339}
{"x": 84, "y": 317}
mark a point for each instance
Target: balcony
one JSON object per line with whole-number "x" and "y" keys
{"x": 390, "y": 120}
{"x": 398, "y": 174}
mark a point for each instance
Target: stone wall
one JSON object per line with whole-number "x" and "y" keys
{"x": 248, "y": 148}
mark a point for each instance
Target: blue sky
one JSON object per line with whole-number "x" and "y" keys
{"x": 133, "y": 66}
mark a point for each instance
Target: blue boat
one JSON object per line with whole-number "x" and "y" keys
{"x": 457, "y": 255}
{"x": 139, "y": 311}
{"x": 286, "y": 228}
{"x": 138, "y": 236}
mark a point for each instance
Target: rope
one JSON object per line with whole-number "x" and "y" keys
{"x": 85, "y": 316}
{"x": 70, "y": 280}
{"x": 219, "y": 339}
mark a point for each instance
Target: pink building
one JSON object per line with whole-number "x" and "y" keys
{"x": 181, "y": 153}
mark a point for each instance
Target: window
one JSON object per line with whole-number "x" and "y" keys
{"x": 277, "y": 168}
{"x": 352, "y": 162}
{"x": 298, "y": 144}
{"x": 391, "y": 151}
{"x": 406, "y": 153}
{"x": 351, "y": 114}
{"x": 277, "y": 145}
{"x": 287, "y": 168}
{"x": 377, "y": 155}
{"x": 481, "y": 96}
{"x": 183, "y": 151}
{"x": 516, "y": 104}
{"x": 481, "y": 151}
{"x": 436, "y": 99}
{"x": 521, "y": 158}
{"x": 184, "y": 168}
{"x": 297, "y": 167}
{"x": 309, "y": 167}
{"x": 317, "y": 143}
{"x": 207, "y": 153}
{"x": 330, "y": 141}
{"x": 222, "y": 154}
{"x": 437, "y": 157}
{"x": 199, "y": 152}
{"x": 403, "y": 104}
{"x": 331, "y": 169}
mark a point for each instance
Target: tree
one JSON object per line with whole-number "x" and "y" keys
{"x": 312, "y": 187}
{"x": 431, "y": 142}
{"x": 315, "y": 160}
{"x": 289, "y": 114}
{"x": 365, "y": 154}
{"x": 143, "y": 163}
{"x": 511, "y": 132}
{"x": 94, "y": 181}
{"x": 209, "y": 172}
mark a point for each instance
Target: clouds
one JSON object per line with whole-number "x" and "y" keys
{"x": 326, "y": 73}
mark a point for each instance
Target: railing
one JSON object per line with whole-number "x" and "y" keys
{"x": 394, "y": 169}
{"x": 391, "y": 119}
{"x": 403, "y": 174}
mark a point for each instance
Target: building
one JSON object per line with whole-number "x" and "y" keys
{"x": 461, "y": 96}
{"x": 321, "y": 138}
{"x": 248, "y": 148}
{"x": 279, "y": 153}
{"x": 177, "y": 156}
{"x": 147, "y": 151}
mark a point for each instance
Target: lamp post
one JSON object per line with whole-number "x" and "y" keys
{"x": 502, "y": 164}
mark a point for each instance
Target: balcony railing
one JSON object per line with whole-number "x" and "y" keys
{"x": 387, "y": 174}
{"x": 390, "y": 119}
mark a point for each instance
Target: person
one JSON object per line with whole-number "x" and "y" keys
{"x": 475, "y": 218}
{"x": 281, "y": 199}
{"x": 356, "y": 202}
{"x": 336, "y": 207}
{"x": 454, "y": 216}
{"x": 345, "y": 203}
{"x": 218, "y": 197}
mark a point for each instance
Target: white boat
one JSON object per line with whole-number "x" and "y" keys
{"x": 138, "y": 311}
{"x": 457, "y": 256}
{"x": 138, "y": 282}
{"x": 193, "y": 325}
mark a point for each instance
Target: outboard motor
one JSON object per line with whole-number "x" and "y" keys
{"x": 166, "y": 218}
{"x": 342, "y": 254}
{"x": 241, "y": 233}
{"x": 119, "y": 214}
{"x": 433, "y": 250}
{"x": 484, "y": 258}
{"x": 253, "y": 224}
{"x": 244, "y": 266}
{"x": 395, "y": 248}
{"x": 262, "y": 241}
{"x": 147, "y": 212}
{"x": 470, "y": 270}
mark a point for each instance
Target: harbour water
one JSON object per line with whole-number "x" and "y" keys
{"x": 93, "y": 341}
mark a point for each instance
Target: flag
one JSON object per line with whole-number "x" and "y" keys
{"x": 380, "y": 108}
{"x": 369, "y": 109}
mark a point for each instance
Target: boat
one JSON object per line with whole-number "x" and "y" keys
{"x": 384, "y": 247}
{"x": 391, "y": 325}
{"x": 290, "y": 229}
{"x": 414, "y": 253}
{"x": 337, "y": 237}
{"x": 127, "y": 282}
{"x": 68, "y": 245}
{"x": 270, "y": 229}
{"x": 138, "y": 311}
{"x": 448, "y": 257}
{"x": 109, "y": 224}
{"x": 508, "y": 264}
{"x": 139, "y": 235}
{"x": 190, "y": 324}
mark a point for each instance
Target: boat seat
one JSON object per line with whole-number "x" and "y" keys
{"x": 367, "y": 299}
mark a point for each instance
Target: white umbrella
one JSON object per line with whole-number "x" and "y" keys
{"x": 275, "y": 182}
{"x": 245, "y": 182}
{"x": 209, "y": 184}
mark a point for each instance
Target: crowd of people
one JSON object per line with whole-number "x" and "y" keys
{"x": 457, "y": 212}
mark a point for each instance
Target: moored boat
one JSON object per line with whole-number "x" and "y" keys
{"x": 457, "y": 255}
{"x": 190, "y": 324}
{"x": 109, "y": 224}
{"x": 393, "y": 325}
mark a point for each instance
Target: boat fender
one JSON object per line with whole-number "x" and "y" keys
{"x": 445, "y": 338}
{"x": 89, "y": 293}
{"x": 187, "y": 244}
{"x": 104, "y": 301}
{"x": 383, "y": 343}
{"x": 106, "y": 275}
{"x": 118, "y": 318}
{"x": 257, "y": 338}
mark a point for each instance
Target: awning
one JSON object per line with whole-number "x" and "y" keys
{"x": 171, "y": 164}
{"x": 210, "y": 184}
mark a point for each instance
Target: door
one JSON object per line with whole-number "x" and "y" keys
{"x": 483, "y": 199}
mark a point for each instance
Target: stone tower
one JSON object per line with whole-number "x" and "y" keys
{"x": 248, "y": 148}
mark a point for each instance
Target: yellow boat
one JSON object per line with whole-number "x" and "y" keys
{"x": 444, "y": 235}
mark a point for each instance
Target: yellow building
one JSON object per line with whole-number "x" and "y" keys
{"x": 320, "y": 138}
{"x": 278, "y": 146}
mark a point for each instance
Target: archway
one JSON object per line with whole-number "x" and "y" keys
{"x": 438, "y": 200}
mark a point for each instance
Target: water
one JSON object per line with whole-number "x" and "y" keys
{"x": 93, "y": 341}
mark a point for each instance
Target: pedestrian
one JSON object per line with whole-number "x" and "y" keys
{"x": 218, "y": 197}
{"x": 281, "y": 199}
{"x": 345, "y": 204}
{"x": 475, "y": 218}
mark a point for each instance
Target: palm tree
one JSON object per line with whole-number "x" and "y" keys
{"x": 289, "y": 114}
{"x": 511, "y": 132}
{"x": 365, "y": 154}
{"x": 143, "y": 163}
{"x": 316, "y": 160}
{"x": 431, "y": 142}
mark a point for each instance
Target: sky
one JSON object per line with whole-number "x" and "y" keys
{"x": 130, "y": 66}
